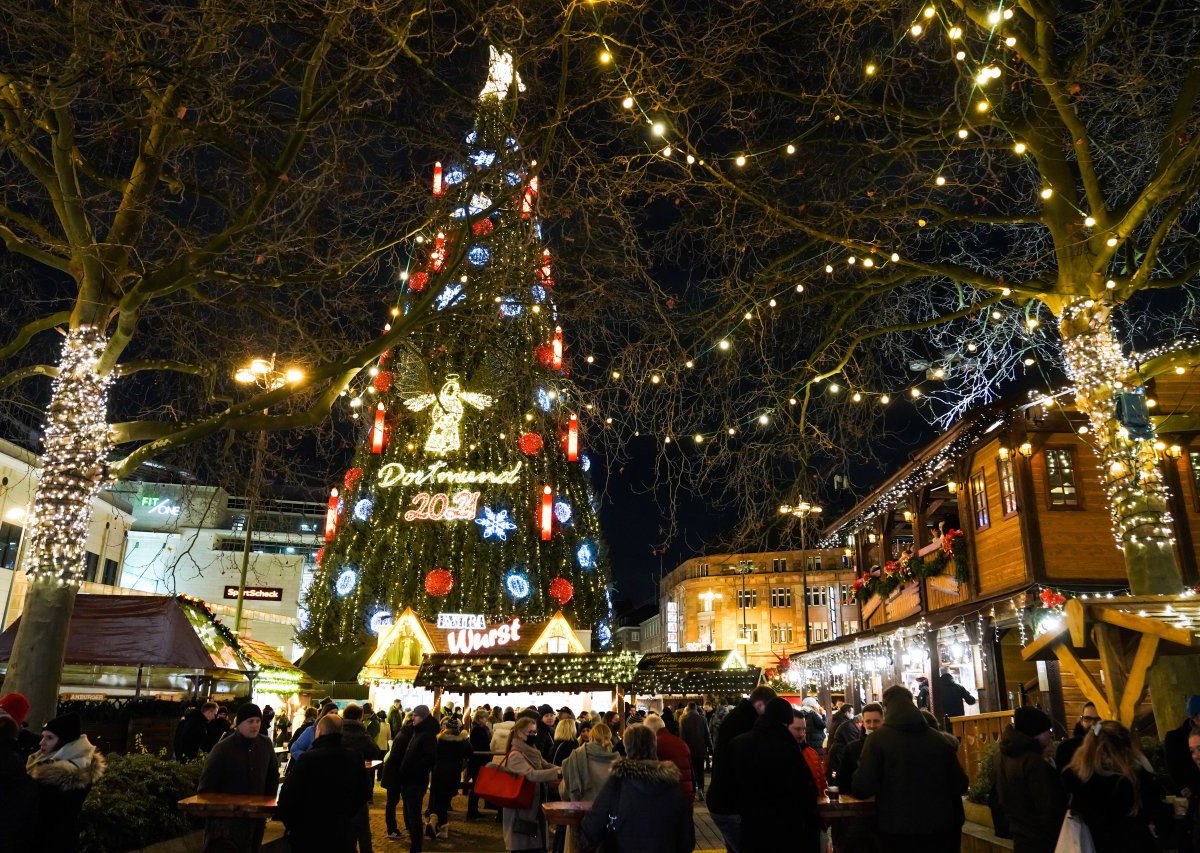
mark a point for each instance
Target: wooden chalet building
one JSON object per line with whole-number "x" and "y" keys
{"x": 1022, "y": 484}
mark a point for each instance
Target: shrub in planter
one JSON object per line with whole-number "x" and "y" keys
{"x": 135, "y": 803}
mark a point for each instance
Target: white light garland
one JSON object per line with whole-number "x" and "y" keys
{"x": 75, "y": 449}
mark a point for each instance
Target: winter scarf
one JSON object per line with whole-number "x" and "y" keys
{"x": 74, "y": 766}
{"x": 531, "y": 754}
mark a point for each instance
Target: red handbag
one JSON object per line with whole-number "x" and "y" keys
{"x": 503, "y": 788}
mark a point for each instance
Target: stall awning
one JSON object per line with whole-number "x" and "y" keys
{"x": 134, "y": 630}
{"x": 273, "y": 668}
{"x": 519, "y": 673}
{"x": 694, "y": 673}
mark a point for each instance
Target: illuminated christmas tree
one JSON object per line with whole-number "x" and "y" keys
{"x": 470, "y": 493}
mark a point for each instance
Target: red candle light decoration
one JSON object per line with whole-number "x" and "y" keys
{"x": 437, "y": 179}
{"x": 331, "y": 515}
{"x": 377, "y": 431}
{"x": 547, "y": 515}
{"x": 573, "y": 439}
{"x": 438, "y": 256}
{"x": 556, "y": 360}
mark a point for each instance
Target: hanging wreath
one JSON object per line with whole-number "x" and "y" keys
{"x": 439, "y": 582}
{"x": 561, "y": 590}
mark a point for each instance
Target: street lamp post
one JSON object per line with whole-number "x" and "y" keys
{"x": 262, "y": 373}
{"x": 803, "y": 510}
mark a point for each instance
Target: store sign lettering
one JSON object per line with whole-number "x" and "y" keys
{"x": 259, "y": 593}
{"x": 159, "y": 506}
{"x": 396, "y": 474}
{"x": 457, "y": 621}
{"x": 466, "y": 641}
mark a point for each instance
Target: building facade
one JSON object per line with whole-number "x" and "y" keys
{"x": 969, "y": 552}
{"x": 767, "y": 605}
{"x": 112, "y": 518}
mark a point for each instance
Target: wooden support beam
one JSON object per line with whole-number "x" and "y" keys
{"x": 1087, "y": 682}
{"x": 1112, "y": 661}
{"x": 1144, "y": 625}
{"x": 1039, "y": 647}
{"x": 1076, "y": 622}
{"x": 1135, "y": 685}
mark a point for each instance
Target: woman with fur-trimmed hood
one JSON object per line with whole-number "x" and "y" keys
{"x": 641, "y": 807}
{"x": 65, "y": 768}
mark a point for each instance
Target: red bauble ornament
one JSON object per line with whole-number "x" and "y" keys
{"x": 383, "y": 381}
{"x": 483, "y": 227}
{"x": 561, "y": 590}
{"x": 352, "y": 477}
{"x": 530, "y": 443}
{"x": 320, "y": 555}
{"x": 439, "y": 582}
{"x": 417, "y": 281}
{"x": 544, "y": 353}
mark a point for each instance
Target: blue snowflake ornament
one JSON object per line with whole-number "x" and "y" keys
{"x": 495, "y": 523}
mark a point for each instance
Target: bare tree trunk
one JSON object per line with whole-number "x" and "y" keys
{"x": 75, "y": 450}
{"x": 1137, "y": 493}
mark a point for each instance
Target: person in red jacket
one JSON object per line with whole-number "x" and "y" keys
{"x": 799, "y": 730}
{"x": 672, "y": 748}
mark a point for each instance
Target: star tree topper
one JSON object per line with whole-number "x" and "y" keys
{"x": 500, "y": 75}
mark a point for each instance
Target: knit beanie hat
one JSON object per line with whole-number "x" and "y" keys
{"x": 247, "y": 712}
{"x": 1031, "y": 721}
{"x": 66, "y": 728}
{"x": 17, "y": 706}
{"x": 543, "y": 710}
{"x": 421, "y": 711}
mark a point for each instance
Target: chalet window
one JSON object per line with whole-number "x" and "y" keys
{"x": 557, "y": 646}
{"x": 1060, "y": 476}
{"x": 979, "y": 500}
{"x": 1008, "y": 486}
{"x": 781, "y": 632}
{"x": 747, "y": 598}
{"x": 749, "y": 633}
{"x": 781, "y": 596}
{"x": 10, "y": 544}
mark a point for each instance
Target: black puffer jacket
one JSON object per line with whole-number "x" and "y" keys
{"x": 1031, "y": 793}
{"x": 645, "y": 805}
{"x": 355, "y": 737}
{"x": 18, "y": 799}
{"x": 321, "y": 795}
{"x": 412, "y": 756}
{"x": 772, "y": 780}
{"x": 845, "y": 734}
{"x": 722, "y": 797}
{"x": 914, "y": 774}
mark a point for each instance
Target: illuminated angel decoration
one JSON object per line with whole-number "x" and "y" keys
{"x": 500, "y": 75}
{"x": 446, "y": 408}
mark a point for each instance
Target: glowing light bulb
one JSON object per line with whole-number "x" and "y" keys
{"x": 1020, "y": 148}
{"x": 940, "y": 181}
{"x": 763, "y": 419}
{"x": 834, "y": 388}
{"x": 955, "y": 32}
{"x": 791, "y": 149}
{"x": 829, "y": 268}
{"x": 691, "y": 159}
{"x": 658, "y": 128}
{"x": 1010, "y": 41}
{"x": 982, "y": 107}
{"x": 870, "y": 69}
{"x": 1180, "y": 370}
{"x": 963, "y": 133}
{"x": 993, "y": 18}
{"x": 1110, "y": 242}
{"x": 1047, "y": 192}
{"x": 616, "y": 374}
{"x": 723, "y": 345}
{"x": 895, "y": 257}
{"x": 800, "y": 287}
{"x": 1089, "y": 221}
{"x": 868, "y": 263}
{"x": 884, "y": 399}
{"x": 996, "y": 315}
{"x": 605, "y": 57}
{"x": 689, "y": 363}
{"x": 1032, "y": 323}
{"x": 917, "y": 29}
{"x": 929, "y": 12}
{"x": 856, "y": 397}
{"x": 915, "y": 392}
{"x": 960, "y": 55}
{"x": 1110, "y": 284}
{"x": 741, "y": 160}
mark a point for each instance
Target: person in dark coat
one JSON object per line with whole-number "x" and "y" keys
{"x": 859, "y": 834}
{"x": 922, "y": 693}
{"x": 694, "y": 731}
{"x": 565, "y": 741}
{"x": 672, "y": 748}
{"x": 216, "y": 729}
{"x": 841, "y": 716}
{"x": 1112, "y": 787}
{"x": 356, "y": 737}
{"x": 841, "y": 738}
{"x": 453, "y": 750}
{"x": 395, "y": 718}
{"x": 323, "y": 793}
{"x": 816, "y": 723}
{"x": 951, "y": 696}
{"x": 1184, "y": 775}
{"x": 481, "y": 742}
{"x": 310, "y": 720}
{"x": 65, "y": 769}
{"x": 16, "y": 705}
{"x": 545, "y": 732}
{"x": 1065, "y": 751}
{"x": 773, "y": 781}
{"x": 642, "y": 802}
{"x": 243, "y": 763}
{"x": 18, "y": 792}
{"x": 914, "y": 775}
{"x": 406, "y": 774}
{"x": 192, "y": 733}
{"x": 722, "y": 792}
{"x": 1028, "y": 788}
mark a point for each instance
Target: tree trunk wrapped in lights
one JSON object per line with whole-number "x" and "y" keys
{"x": 74, "y": 459}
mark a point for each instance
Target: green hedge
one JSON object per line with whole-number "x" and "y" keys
{"x": 135, "y": 803}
